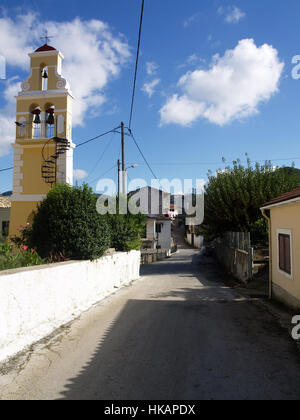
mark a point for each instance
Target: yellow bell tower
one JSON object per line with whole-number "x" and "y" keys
{"x": 43, "y": 151}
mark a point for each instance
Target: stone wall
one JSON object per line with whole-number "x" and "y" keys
{"x": 235, "y": 261}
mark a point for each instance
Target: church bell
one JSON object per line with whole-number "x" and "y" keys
{"x": 50, "y": 116}
{"x": 37, "y": 118}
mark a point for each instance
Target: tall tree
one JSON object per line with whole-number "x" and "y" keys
{"x": 233, "y": 197}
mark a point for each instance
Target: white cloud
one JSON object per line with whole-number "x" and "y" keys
{"x": 235, "y": 15}
{"x": 13, "y": 46}
{"x": 232, "y": 14}
{"x": 149, "y": 88}
{"x": 192, "y": 60}
{"x": 213, "y": 43}
{"x": 181, "y": 110}
{"x": 80, "y": 174}
{"x": 232, "y": 88}
{"x": 151, "y": 68}
{"x": 7, "y": 134}
{"x": 190, "y": 20}
{"x": 7, "y": 115}
{"x": 94, "y": 56}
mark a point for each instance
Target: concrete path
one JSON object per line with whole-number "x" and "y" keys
{"x": 178, "y": 333}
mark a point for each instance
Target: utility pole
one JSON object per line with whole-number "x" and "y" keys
{"x": 123, "y": 159}
{"x": 119, "y": 177}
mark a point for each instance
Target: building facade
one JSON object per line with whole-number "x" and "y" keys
{"x": 159, "y": 230}
{"x": 283, "y": 214}
{"x": 43, "y": 150}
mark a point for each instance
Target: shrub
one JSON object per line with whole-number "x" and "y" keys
{"x": 126, "y": 231}
{"x": 67, "y": 225}
{"x": 24, "y": 257}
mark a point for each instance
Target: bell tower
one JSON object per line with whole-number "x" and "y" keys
{"x": 43, "y": 150}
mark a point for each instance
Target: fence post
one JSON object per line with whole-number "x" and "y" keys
{"x": 250, "y": 262}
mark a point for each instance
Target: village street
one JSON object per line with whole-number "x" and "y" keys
{"x": 178, "y": 333}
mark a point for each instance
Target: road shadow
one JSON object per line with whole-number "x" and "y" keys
{"x": 192, "y": 343}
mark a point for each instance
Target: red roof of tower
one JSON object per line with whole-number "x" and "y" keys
{"x": 44, "y": 48}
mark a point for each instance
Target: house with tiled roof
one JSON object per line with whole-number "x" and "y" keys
{"x": 5, "y": 206}
{"x": 283, "y": 214}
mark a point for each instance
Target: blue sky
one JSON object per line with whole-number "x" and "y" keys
{"x": 192, "y": 106}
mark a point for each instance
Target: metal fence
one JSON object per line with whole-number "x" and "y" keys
{"x": 237, "y": 240}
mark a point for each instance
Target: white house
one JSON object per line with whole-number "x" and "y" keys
{"x": 152, "y": 200}
{"x": 155, "y": 204}
{"x": 159, "y": 231}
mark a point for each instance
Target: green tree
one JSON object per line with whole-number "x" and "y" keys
{"x": 126, "y": 230}
{"x": 233, "y": 198}
{"x": 67, "y": 224}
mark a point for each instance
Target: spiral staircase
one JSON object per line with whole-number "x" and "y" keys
{"x": 49, "y": 165}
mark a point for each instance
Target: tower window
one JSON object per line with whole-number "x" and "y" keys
{"x": 36, "y": 127}
{"x": 50, "y": 122}
{"x": 45, "y": 78}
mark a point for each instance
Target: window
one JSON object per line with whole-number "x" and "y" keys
{"x": 285, "y": 260}
{"x": 50, "y": 121}
{"x": 158, "y": 227}
{"x": 36, "y": 122}
{"x": 5, "y": 229}
{"x": 36, "y": 131}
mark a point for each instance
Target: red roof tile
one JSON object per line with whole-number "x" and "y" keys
{"x": 284, "y": 197}
{"x": 44, "y": 48}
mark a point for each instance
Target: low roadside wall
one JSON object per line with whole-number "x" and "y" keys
{"x": 197, "y": 241}
{"x": 36, "y": 301}
{"x": 235, "y": 261}
{"x": 153, "y": 255}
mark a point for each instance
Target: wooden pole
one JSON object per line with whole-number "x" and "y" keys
{"x": 123, "y": 159}
{"x": 119, "y": 177}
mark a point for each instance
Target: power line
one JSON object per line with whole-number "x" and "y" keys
{"x": 105, "y": 173}
{"x": 142, "y": 154}
{"x": 102, "y": 155}
{"x": 81, "y": 144}
{"x": 137, "y": 63}
{"x": 98, "y": 137}
{"x": 219, "y": 163}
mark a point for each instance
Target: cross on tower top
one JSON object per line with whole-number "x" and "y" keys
{"x": 46, "y": 37}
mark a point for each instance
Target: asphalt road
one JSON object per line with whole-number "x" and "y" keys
{"x": 177, "y": 334}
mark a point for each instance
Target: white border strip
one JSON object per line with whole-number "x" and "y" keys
{"x": 26, "y": 198}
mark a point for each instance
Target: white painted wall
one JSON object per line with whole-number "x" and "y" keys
{"x": 151, "y": 233}
{"x": 164, "y": 238}
{"x": 36, "y": 301}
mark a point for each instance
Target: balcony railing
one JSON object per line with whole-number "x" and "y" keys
{"x": 31, "y": 130}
